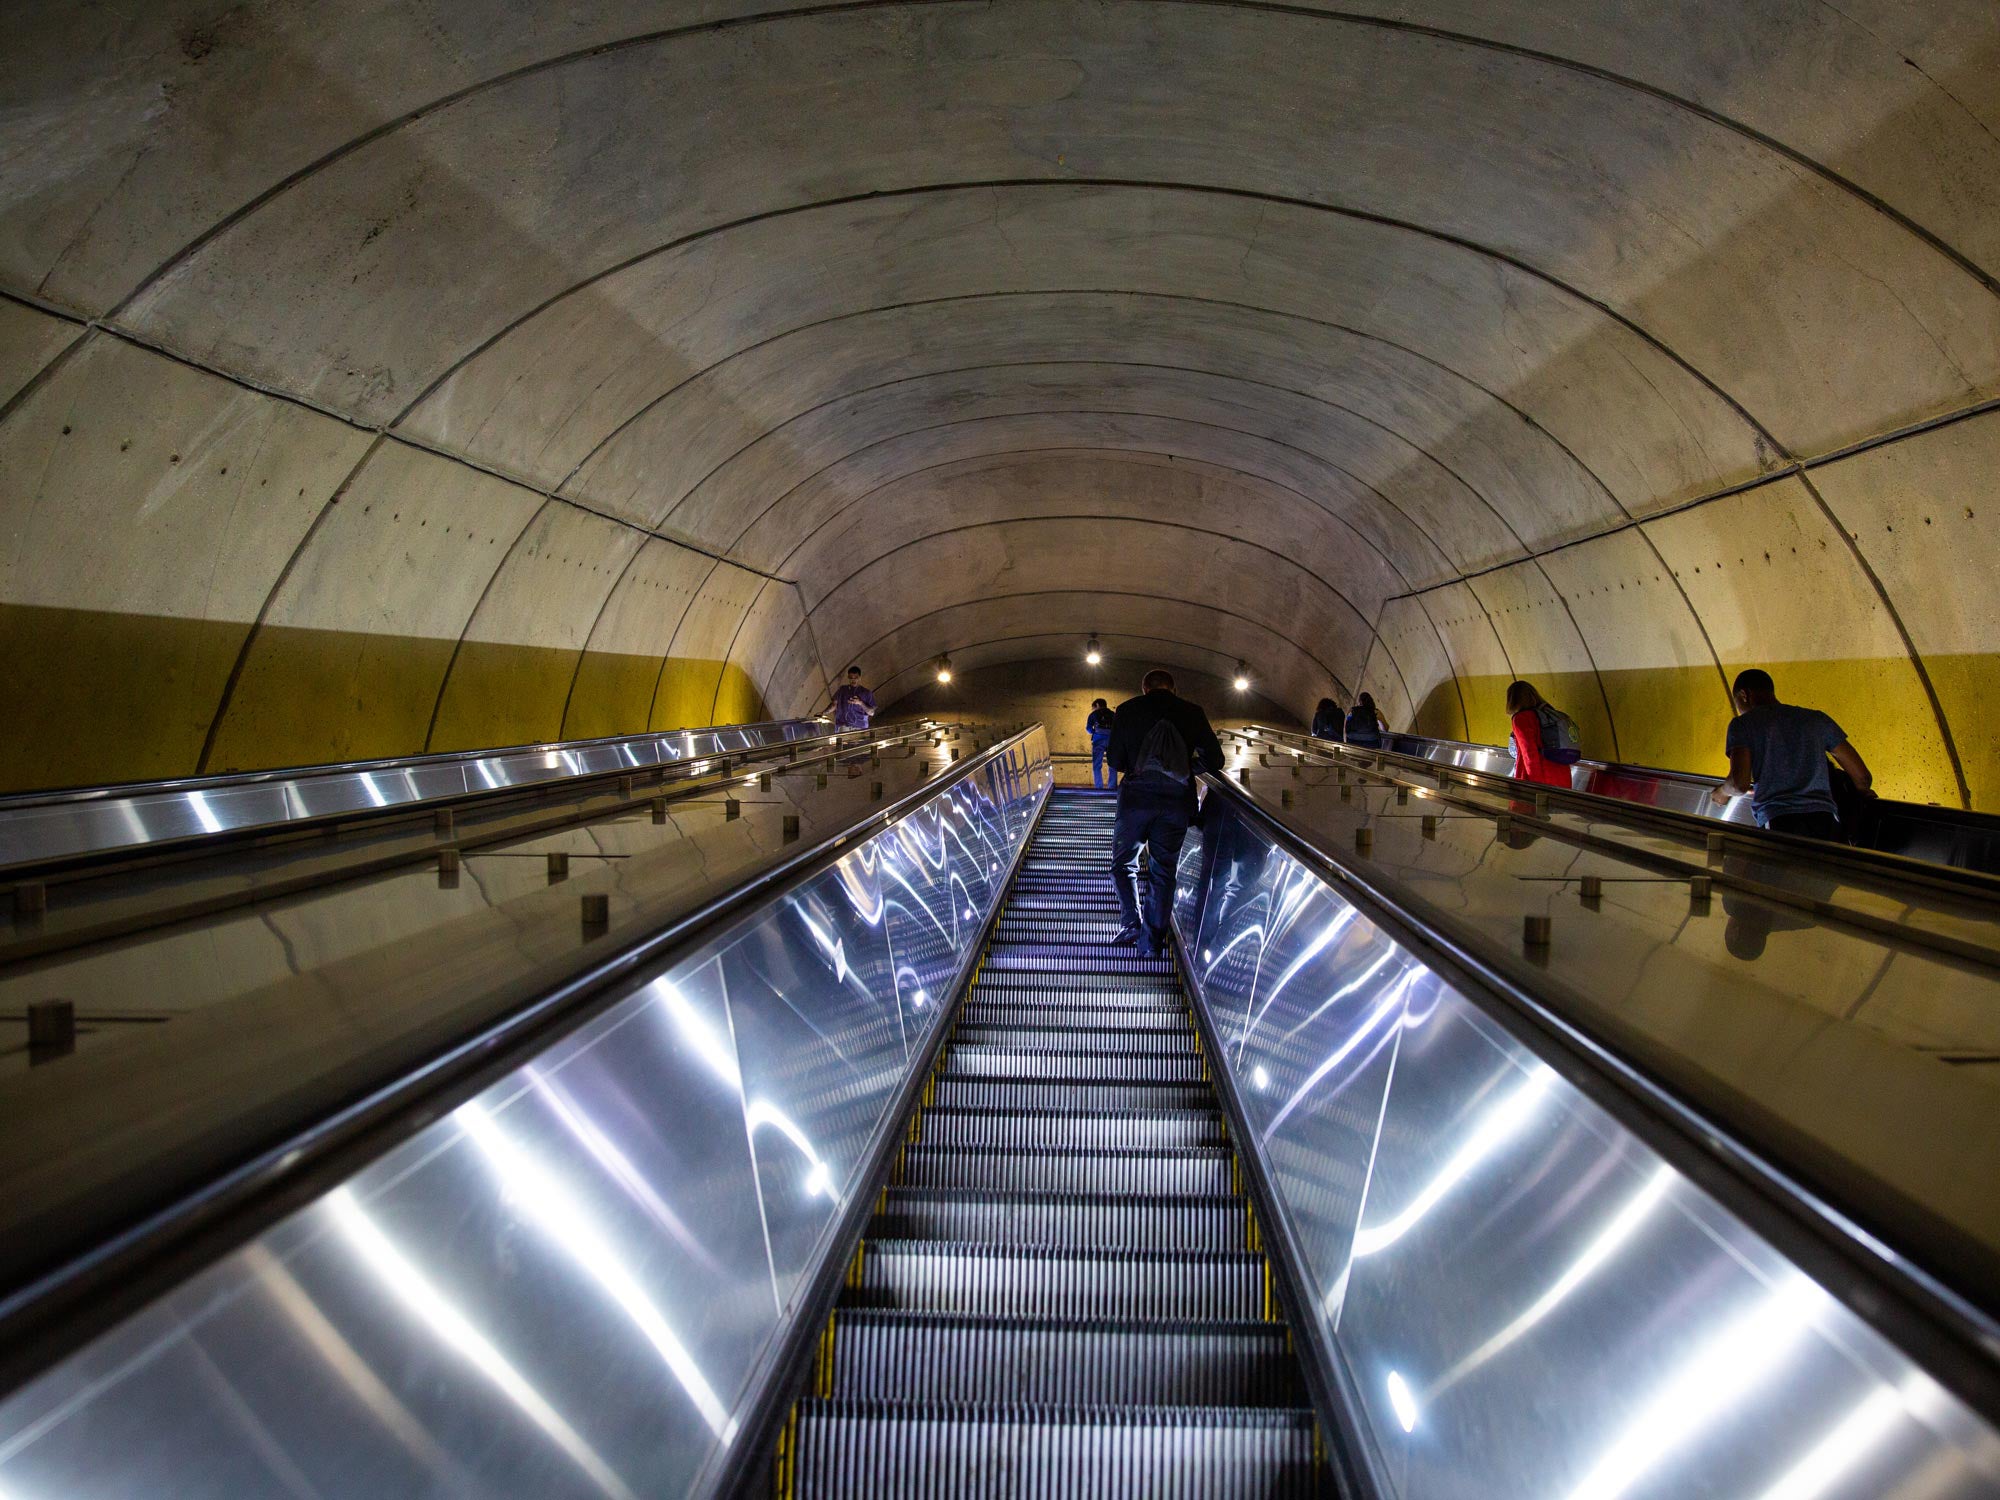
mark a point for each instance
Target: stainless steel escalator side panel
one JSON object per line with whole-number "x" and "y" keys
{"x": 43, "y": 826}
{"x": 1524, "y": 1296}
{"x": 565, "y": 1285}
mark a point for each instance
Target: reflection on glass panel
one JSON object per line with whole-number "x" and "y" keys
{"x": 820, "y": 1038}
{"x": 650, "y": 1305}
{"x": 926, "y": 937}
{"x": 1526, "y": 1297}
{"x": 563, "y": 1287}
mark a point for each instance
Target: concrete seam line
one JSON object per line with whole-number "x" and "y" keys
{"x": 1072, "y": 184}
{"x": 1192, "y": 422}
{"x": 596, "y": 622}
{"x": 150, "y": 345}
{"x": 909, "y": 380}
{"x": 1458, "y": 674}
{"x": 812, "y": 634}
{"x": 1796, "y": 468}
{"x": 928, "y": 536}
{"x": 1903, "y": 633}
{"x": 729, "y": 654}
{"x": 1276, "y": 314}
{"x": 1249, "y": 476}
{"x": 616, "y": 45}
{"x": 1402, "y": 678}
{"x": 687, "y": 610}
{"x": 444, "y": 682}
{"x": 228, "y": 694}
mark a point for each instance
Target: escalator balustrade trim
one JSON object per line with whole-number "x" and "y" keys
{"x": 1063, "y": 1290}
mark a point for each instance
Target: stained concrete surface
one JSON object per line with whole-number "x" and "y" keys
{"x": 1406, "y": 347}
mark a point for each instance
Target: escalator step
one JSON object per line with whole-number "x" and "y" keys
{"x": 847, "y": 1450}
{"x": 920, "y": 1356}
{"x": 1036, "y": 1281}
{"x": 1051, "y": 929}
{"x": 1076, "y": 954}
{"x": 1194, "y": 1170}
{"x": 1166, "y": 1016}
{"x": 1019, "y": 1094}
{"x": 1098, "y": 989}
{"x": 1069, "y": 906}
{"x": 1103, "y": 961}
{"x": 1151, "y": 1041}
{"x": 1106, "y": 1222}
{"x": 1048, "y": 1063}
{"x": 1072, "y": 1130}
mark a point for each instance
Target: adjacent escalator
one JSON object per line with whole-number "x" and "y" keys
{"x": 1061, "y": 1292}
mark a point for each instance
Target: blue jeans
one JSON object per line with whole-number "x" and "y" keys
{"x": 1153, "y": 818}
{"x": 1097, "y": 766}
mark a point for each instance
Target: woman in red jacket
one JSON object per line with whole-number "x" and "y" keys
{"x": 1531, "y": 758}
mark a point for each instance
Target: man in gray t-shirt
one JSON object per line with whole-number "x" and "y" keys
{"x": 1777, "y": 753}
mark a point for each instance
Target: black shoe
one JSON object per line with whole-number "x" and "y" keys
{"x": 1127, "y": 935}
{"x": 1151, "y": 945}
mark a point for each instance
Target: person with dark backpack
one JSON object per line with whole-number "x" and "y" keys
{"x": 1158, "y": 741}
{"x": 1364, "y": 723}
{"x": 1543, "y": 736}
{"x": 1328, "y": 721}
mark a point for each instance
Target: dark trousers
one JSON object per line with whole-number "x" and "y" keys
{"x": 1153, "y": 818}
{"x": 1812, "y": 825}
{"x": 1100, "y": 751}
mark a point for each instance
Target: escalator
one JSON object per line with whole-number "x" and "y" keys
{"x": 1061, "y": 1290}
{"x": 886, "y": 1173}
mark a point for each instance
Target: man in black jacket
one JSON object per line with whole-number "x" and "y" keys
{"x": 1158, "y": 741}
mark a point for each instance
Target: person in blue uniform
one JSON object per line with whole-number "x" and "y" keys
{"x": 1098, "y": 726}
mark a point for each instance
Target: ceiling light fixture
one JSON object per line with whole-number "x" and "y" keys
{"x": 944, "y": 669}
{"x": 1093, "y": 653}
{"x": 1242, "y": 683}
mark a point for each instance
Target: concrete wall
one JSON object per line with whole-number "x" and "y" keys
{"x": 415, "y": 375}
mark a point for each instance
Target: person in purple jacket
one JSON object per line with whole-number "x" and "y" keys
{"x": 853, "y": 706}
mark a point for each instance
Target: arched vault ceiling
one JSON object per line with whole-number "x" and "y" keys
{"x": 1084, "y": 554}
{"x": 1874, "y": 97}
{"x": 722, "y": 341}
{"x": 1412, "y": 503}
{"x": 1543, "y": 490}
{"x": 483, "y": 209}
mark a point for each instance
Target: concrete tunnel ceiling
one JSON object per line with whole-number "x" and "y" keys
{"x": 426, "y": 375}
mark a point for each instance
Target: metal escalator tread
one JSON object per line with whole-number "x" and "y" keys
{"x": 1048, "y": 1281}
{"x": 1060, "y": 1293}
{"x": 1159, "y": 1171}
{"x": 1084, "y": 1129}
{"x": 933, "y": 1450}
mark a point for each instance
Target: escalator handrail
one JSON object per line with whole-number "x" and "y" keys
{"x": 1923, "y": 1283}
{"x": 102, "y": 791}
{"x": 1959, "y": 880}
{"x": 23, "y": 853}
{"x": 88, "y": 1283}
